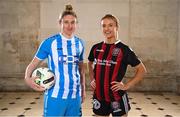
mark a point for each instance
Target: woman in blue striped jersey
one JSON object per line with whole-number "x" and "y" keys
{"x": 64, "y": 52}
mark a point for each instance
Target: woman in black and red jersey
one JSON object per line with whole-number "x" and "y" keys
{"x": 108, "y": 61}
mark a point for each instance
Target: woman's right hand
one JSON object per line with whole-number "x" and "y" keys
{"x": 31, "y": 82}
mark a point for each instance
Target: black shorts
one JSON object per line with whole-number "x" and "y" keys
{"x": 116, "y": 108}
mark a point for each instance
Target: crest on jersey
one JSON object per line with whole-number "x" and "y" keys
{"x": 115, "y": 51}
{"x": 116, "y": 106}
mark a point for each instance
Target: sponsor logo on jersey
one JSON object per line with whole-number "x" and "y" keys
{"x": 68, "y": 59}
{"x": 105, "y": 62}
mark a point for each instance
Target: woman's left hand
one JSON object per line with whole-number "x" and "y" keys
{"x": 116, "y": 86}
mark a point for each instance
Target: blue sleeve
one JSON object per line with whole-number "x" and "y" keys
{"x": 43, "y": 50}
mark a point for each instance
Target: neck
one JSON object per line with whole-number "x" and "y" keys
{"x": 110, "y": 41}
{"x": 67, "y": 36}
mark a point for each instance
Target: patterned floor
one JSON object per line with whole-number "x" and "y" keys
{"x": 144, "y": 104}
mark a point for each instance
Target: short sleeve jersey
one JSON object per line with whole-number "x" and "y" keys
{"x": 111, "y": 61}
{"x": 63, "y": 58}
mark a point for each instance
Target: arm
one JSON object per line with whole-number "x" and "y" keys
{"x": 82, "y": 80}
{"x": 30, "y": 80}
{"x": 140, "y": 72}
{"x": 91, "y": 75}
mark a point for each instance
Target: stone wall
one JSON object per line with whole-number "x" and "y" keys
{"x": 154, "y": 36}
{"x": 178, "y": 53}
{"x": 149, "y": 27}
{"x": 19, "y": 30}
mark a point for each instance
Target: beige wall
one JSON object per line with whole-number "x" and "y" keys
{"x": 150, "y": 27}
{"x": 19, "y": 28}
{"x": 178, "y": 53}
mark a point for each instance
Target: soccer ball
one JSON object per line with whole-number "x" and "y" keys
{"x": 45, "y": 77}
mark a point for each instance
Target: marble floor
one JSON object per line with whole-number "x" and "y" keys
{"x": 144, "y": 104}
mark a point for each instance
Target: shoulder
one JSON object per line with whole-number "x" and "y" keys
{"x": 97, "y": 44}
{"x": 78, "y": 39}
{"x": 52, "y": 38}
{"x": 123, "y": 46}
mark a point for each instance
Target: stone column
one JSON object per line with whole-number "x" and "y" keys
{"x": 178, "y": 53}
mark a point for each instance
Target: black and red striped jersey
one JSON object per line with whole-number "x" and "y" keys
{"x": 111, "y": 61}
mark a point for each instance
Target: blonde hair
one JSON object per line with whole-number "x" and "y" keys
{"x": 68, "y": 11}
{"x": 109, "y": 16}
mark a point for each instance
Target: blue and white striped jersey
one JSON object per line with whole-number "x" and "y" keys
{"x": 63, "y": 58}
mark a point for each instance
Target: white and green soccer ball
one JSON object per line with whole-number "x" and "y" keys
{"x": 45, "y": 76}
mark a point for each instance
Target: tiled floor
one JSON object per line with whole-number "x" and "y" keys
{"x": 147, "y": 104}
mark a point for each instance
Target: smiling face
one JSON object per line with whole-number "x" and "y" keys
{"x": 68, "y": 25}
{"x": 109, "y": 29}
